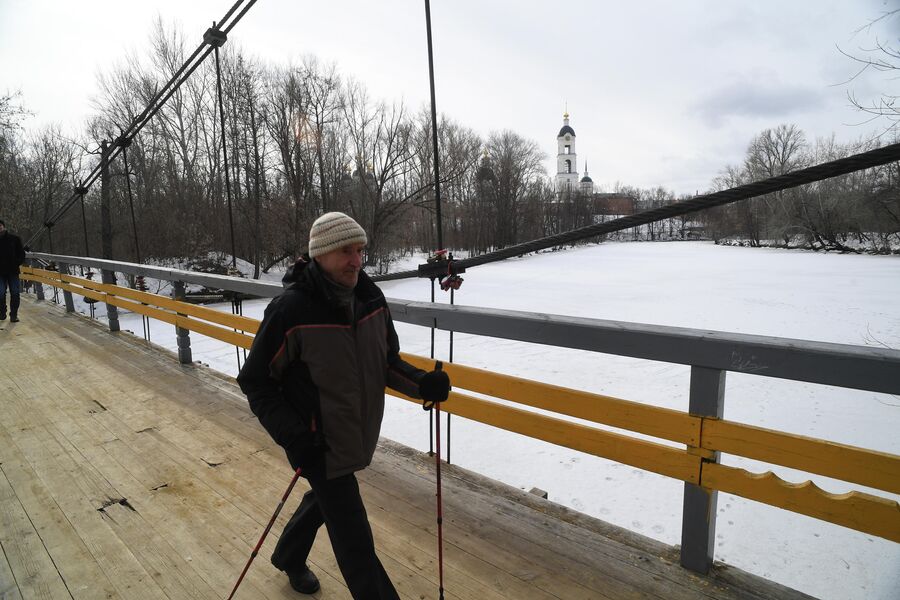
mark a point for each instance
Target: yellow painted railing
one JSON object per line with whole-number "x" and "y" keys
{"x": 702, "y": 436}
{"x": 203, "y": 320}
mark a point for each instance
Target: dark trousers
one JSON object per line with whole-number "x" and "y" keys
{"x": 11, "y": 282}
{"x": 337, "y": 504}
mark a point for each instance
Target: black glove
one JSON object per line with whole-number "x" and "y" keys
{"x": 434, "y": 386}
{"x": 306, "y": 451}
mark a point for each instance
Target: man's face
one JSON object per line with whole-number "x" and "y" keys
{"x": 342, "y": 265}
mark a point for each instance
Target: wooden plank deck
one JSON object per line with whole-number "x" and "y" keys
{"x": 126, "y": 475}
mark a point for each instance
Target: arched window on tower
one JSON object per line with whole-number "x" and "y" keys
{"x": 568, "y": 149}
{"x": 568, "y": 166}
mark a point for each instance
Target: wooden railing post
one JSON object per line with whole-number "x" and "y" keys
{"x": 698, "y": 526}
{"x": 183, "y": 336}
{"x": 67, "y": 295}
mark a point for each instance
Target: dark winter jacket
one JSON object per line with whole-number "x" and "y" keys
{"x": 316, "y": 373}
{"x": 11, "y": 254}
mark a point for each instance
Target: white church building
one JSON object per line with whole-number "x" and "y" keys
{"x": 567, "y": 179}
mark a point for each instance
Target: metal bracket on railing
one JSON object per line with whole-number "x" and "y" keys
{"x": 51, "y": 266}
{"x": 141, "y": 286}
{"x": 89, "y": 275}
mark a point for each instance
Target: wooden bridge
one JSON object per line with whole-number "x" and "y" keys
{"x": 128, "y": 475}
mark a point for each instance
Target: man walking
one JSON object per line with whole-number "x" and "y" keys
{"x": 11, "y": 256}
{"x": 315, "y": 378}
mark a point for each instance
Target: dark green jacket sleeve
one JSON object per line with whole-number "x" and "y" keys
{"x": 263, "y": 387}
{"x": 401, "y": 375}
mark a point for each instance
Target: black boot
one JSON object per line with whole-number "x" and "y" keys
{"x": 13, "y": 308}
{"x": 304, "y": 582}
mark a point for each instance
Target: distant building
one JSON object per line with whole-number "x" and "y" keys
{"x": 566, "y": 158}
{"x": 613, "y": 204}
{"x": 568, "y": 183}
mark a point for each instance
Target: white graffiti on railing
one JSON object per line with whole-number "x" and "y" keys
{"x": 747, "y": 365}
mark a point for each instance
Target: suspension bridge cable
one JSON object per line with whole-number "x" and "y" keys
{"x": 434, "y": 131}
{"x": 225, "y": 158}
{"x": 842, "y": 166}
{"x": 138, "y": 123}
{"x": 231, "y": 12}
{"x": 240, "y": 15}
{"x": 87, "y": 251}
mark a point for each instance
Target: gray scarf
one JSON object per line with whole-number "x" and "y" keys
{"x": 344, "y": 296}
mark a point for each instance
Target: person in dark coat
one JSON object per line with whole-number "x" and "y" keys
{"x": 12, "y": 255}
{"x": 315, "y": 379}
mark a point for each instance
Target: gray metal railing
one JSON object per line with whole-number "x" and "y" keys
{"x": 710, "y": 354}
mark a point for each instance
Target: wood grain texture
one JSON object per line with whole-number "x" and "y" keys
{"x": 659, "y": 422}
{"x": 879, "y": 470}
{"x": 650, "y": 456}
{"x": 856, "y": 510}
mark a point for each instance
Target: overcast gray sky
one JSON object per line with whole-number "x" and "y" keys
{"x": 659, "y": 93}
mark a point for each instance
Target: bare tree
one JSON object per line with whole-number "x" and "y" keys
{"x": 13, "y": 200}
{"x": 771, "y": 153}
{"x": 250, "y": 156}
{"x": 325, "y": 104}
{"x": 51, "y": 172}
{"x": 287, "y": 122}
{"x": 11, "y": 113}
{"x": 459, "y": 149}
{"x": 380, "y": 139}
{"x": 879, "y": 57}
{"x": 518, "y": 164}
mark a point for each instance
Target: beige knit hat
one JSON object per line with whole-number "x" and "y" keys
{"x": 332, "y": 231}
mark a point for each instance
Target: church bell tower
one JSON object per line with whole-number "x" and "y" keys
{"x": 566, "y": 158}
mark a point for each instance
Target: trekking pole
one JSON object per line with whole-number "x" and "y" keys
{"x": 440, "y": 512}
{"x": 266, "y": 532}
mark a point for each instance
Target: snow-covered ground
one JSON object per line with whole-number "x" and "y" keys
{"x": 827, "y": 297}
